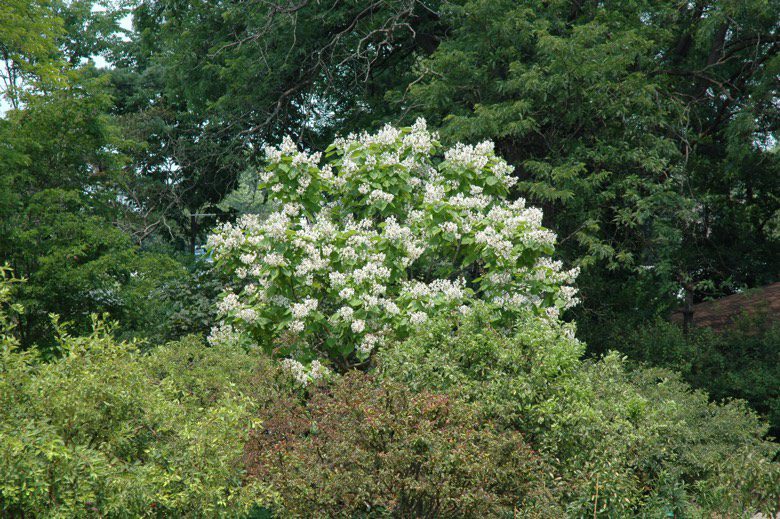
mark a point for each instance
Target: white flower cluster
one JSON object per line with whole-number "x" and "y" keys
{"x": 377, "y": 195}
{"x": 481, "y": 158}
{"x": 377, "y": 242}
{"x": 439, "y": 289}
{"x": 301, "y": 310}
{"x": 224, "y": 334}
{"x": 303, "y": 376}
{"x": 471, "y": 157}
{"x": 417, "y": 139}
{"x": 297, "y": 175}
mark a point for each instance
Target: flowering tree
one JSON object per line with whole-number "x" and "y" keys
{"x": 373, "y": 239}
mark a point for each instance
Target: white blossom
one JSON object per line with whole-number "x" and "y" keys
{"x": 433, "y": 193}
{"x": 473, "y": 157}
{"x": 223, "y": 334}
{"x": 450, "y": 227}
{"x": 358, "y": 325}
{"x": 418, "y": 317}
{"x": 247, "y": 314}
{"x": 569, "y": 296}
{"x": 228, "y": 303}
{"x": 379, "y": 195}
{"x": 296, "y": 326}
{"x": 368, "y": 344}
{"x": 345, "y": 313}
{"x": 301, "y": 310}
{"x": 275, "y": 259}
{"x": 247, "y": 259}
{"x": 297, "y": 370}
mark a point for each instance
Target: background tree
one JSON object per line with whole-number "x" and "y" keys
{"x": 61, "y": 163}
{"x": 204, "y": 86}
{"x": 644, "y": 128}
{"x": 28, "y": 47}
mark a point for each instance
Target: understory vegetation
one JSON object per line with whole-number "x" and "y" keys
{"x": 462, "y": 420}
{"x": 742, "y": 361}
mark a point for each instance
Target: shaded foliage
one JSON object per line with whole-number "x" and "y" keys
{"x": 742, "y": 362}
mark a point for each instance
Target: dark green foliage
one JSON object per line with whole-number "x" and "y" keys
{"x": 742, "y": 362}
{"x": 363, "y": 449}
{"x": 255, "y": 72}
{"x": 645, "y": 129}
{"x": 75, "y": 263}
{"x": 59, "y": 204}
{"x": 64, "y": 223}
{"x": 646, "y": 440}
{"x": 72, "y": 216}
{"x": 187, "y": 304}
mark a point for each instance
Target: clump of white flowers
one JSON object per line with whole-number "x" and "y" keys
{"x": 386, "y": 234}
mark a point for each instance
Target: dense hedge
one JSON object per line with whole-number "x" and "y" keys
{"x": 367, "y": 448}
{"x": 459, "y": 420}
{"x": 108, "y": 431}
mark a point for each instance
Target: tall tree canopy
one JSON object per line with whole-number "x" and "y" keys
{"x": 206, "y": 84}
{"x": 64, "y": 214}
{"x": 646, "y": 129}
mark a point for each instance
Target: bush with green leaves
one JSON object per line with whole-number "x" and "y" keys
{"x": 107, "y": 431}
{"x": 742, "y": 361}
{"x": 364, "y": 448}
{"x": 624, "y": 442}
{"x": 370, "y": 243}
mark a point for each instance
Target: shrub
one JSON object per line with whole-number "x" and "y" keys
{"x": 385, "y": 234}
{"x": 624, "y": 443}
{"x": 364, "y": 449}
{"x": 104, "y": 430}
{"x": 741, "y": 362}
